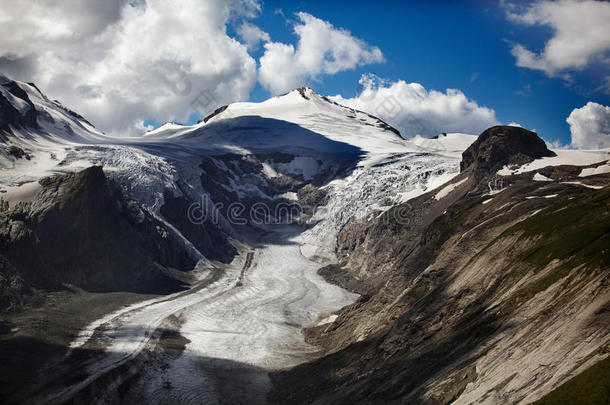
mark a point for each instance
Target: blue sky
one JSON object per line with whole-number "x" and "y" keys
{"x": 447, "y": 44}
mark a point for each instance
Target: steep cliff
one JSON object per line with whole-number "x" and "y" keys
{"x": 77, "y": 230}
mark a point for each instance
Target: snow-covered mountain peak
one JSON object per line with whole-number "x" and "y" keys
{"x": 300, "y": 118}
{"x": 30, "y": 117}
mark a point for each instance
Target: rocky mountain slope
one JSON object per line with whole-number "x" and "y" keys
{"x": 225, "y": 225}
{"x": 493, "y": 290}
{"x": 79, "y": 235}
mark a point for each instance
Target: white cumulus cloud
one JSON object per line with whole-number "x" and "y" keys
{"x": 252, "y": 35}
{"x": 414, "y": 110}
{"x": 119, "y": 63}
{"x": 590, "y": 126}
{"x": 321, "y": 49}
{"x": 581, "y": 32}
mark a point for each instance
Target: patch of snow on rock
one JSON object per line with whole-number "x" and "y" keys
{"x": 449, "y": 188}
{"x": 563, "y": 157}
{"x": 595, "y": 170}
{"x": 541, "y": 177}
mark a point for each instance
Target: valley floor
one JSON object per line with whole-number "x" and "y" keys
{"x": 212, "y": 343}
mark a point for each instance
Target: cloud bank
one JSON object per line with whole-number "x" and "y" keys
{"x": 120, "y": 62}
{"x": 590, "y": 126}
{"x": 414, "y": 110}
{"x": 581, "y": 33}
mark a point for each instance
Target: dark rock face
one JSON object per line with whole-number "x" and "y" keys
{"x": 206, "y": 236}
{"x": 10, "y": 116}
{"x": 215, "y": 113}
{"x": 17, "y": 152}
{"x": 301, "y": 91}
{"x": 222, "y": 172}
{"x": 82, "y": 235}
{"x": 311, "y": 198}
{"x": 12, "y": 287}
{"x": 503, "y": 145}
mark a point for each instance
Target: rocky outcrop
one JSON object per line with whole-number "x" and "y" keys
{"x": 9, "y": 115}
{"x": 83, "y": 235}
{"x": 503, "y": 145}
{"x": 13, "y": 290}
{"x": 282, "y": 186}
{"x": 214, "y": 113}
{"x": 205, "y": 234}
{"x": 17, "y": 153}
